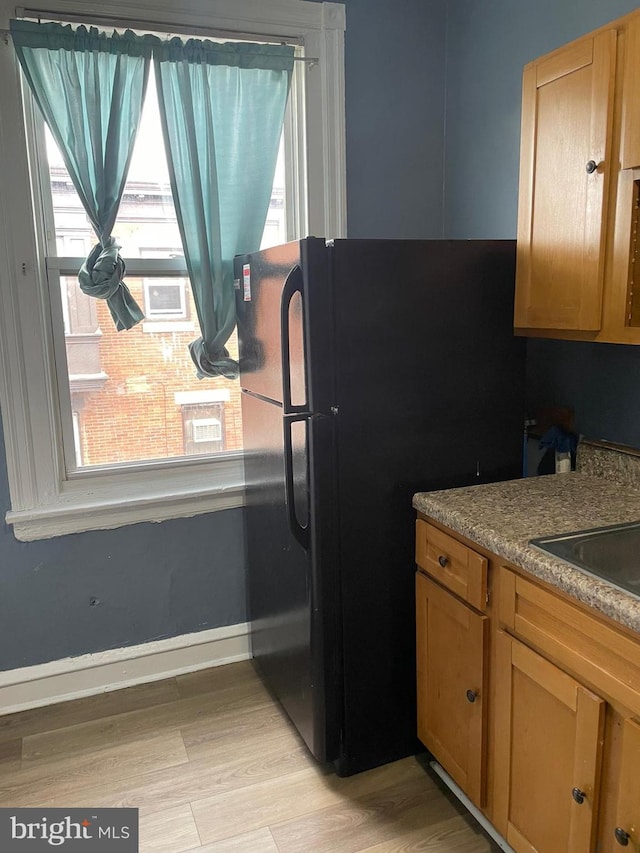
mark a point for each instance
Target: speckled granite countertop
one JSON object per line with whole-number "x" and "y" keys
{"x": 503, "y": 517}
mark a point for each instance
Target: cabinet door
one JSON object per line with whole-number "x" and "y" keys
{"x": 564, "y": 172}
{"x": 451, "y": 654}
{"x": 627, "y": 830}
{"x": 630, "y": 135}
{"x": 548, "y": 754}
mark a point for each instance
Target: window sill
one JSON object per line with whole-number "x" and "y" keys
{"x": 106, "y": 500}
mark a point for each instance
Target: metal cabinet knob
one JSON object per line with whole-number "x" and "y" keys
{"x": 591, "y": 167}
{"x": 443, "y": 560}
{"x": 471, "y": 695}
{"x": 622, "y": 837}
{"x": 578, "y": 795}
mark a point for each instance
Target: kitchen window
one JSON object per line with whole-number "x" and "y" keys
{"x": 50, "y": 333}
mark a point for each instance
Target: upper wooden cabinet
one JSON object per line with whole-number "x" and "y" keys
{"x": 564, "y": 171}
{"x": 579, "y": 201}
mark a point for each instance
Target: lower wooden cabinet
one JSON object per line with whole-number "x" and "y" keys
{"x": 452, "y": 666}
{"x": 548, "y": 757}
{"x": 626, "y": 832}
{"x": 529, "y": 700}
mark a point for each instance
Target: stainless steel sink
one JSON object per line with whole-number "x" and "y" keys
{"x": 611, "y": 553}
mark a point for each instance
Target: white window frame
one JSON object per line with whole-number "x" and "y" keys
{"x": 45, "y": 500}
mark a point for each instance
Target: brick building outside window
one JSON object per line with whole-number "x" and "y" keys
{"x": 128, "y": 388}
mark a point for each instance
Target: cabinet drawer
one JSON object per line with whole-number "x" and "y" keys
{"x": 451, "y": 563}
{"x": 579, "y": 642}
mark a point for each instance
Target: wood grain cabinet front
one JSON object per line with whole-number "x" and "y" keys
{"x": 626, "y": 832}
{"x": 548, "y": 757}
{"x": 452, "y": 643}
{"x": 579, "y": 192}
{"x": 454, "y": 565}
{"x": 586, "y": 650}
{"x": 531, "y": 703}
{"x": 564, "y": 172}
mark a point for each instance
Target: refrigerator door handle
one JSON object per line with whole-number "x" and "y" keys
{"x": 292, "y": 285}
{"x": 300, "y": 532}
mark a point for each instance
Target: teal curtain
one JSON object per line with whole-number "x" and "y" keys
{"x": 222, "y": 109}
{"x": 90, "y": 88}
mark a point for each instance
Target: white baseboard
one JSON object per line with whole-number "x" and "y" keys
{"x": 101, "y": 672}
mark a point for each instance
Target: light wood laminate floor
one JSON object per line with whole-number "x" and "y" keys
{"x": 214, "y": 765}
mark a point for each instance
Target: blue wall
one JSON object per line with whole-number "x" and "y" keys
{"x": 600, "y": 381}
{"x": 160, "y": 580}
{"x": 150, "y": 580}
{"x": 395, "y": 65}
{"x": 410, "y": 133}
{"x": 488, "y": 43}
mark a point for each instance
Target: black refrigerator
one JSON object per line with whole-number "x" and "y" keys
{"x": 370, "y": 369}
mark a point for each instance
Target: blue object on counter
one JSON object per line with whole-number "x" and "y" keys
{"x": 560, "y": 440}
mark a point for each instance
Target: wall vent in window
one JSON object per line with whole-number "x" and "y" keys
{"x": 206, "y": 429}
{"x": 203, "y": 428}
{"x": 165, "y": 298}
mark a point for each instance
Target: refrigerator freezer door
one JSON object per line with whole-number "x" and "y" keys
{"x": 270, "y": 291}
{"x": 285, "y": 325}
